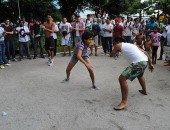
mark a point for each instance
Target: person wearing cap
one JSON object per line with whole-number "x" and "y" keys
{"x": 96, "y": 31}
{"x": 128, "y": 29}
{"x": 108, "y": 32}
{"x": 138, "y": 60}
{"x": 118, "y": 30}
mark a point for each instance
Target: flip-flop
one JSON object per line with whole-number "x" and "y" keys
{"x": 119, "y": 108}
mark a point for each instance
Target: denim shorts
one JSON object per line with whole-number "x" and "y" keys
{"x": 135, "y": 70}
{"x": 74, "y": 58}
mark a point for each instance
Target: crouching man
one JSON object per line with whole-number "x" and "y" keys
{"x": 138, "y": 60}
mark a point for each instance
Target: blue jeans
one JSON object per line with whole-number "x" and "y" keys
{"x": 22, "y": 46}
{"x": 128, "y": 39}
{"x": 10, "y": 49}
{"x": 102, "y": 41}
{"x": 3, "y": 59}
{"x": 37, "y": 41}
{"x": 107, "y": 44}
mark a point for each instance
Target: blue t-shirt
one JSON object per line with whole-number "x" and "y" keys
{"x": 81, "y": 46}
{"x": 151, "y": 25}
{"x": 101, "y": 30}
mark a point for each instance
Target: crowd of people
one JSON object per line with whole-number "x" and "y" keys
{"x": 138, "y": 39}
{"x": 148, "y": 35}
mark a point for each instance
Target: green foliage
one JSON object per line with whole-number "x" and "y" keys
{"x": 40, "y": 8}
{"x": 29, "y": 9}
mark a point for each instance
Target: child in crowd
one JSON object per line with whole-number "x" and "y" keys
{"x": 148, "y": 45}
{"x": 155, "y": 38}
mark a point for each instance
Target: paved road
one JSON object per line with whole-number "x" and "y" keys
{"x": 34, "y": 99}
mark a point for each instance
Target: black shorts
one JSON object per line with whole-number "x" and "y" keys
{"x": 49, "y": 43}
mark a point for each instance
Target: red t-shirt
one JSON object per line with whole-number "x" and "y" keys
{"x": 31, "y": 26}
{"x": 117, "y": 31}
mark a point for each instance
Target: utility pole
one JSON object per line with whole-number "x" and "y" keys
{"x": 19, "y": 13}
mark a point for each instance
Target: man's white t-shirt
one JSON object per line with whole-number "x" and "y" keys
{"x": 110, "y": 27}
{"x": 23, "y": 30}
{"x": 65, "y": 27}
{"x": 127, "y": 30}
{"x": 1, "y": 34}
{"x": 56, "y": 30}
{"x": 132, "y": 53}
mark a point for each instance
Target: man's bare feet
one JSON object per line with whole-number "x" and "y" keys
{"x": 143, "y": 92}
{"x": 121, "y": 106}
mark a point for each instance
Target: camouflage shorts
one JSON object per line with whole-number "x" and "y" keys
{"x": 135, "y": 70}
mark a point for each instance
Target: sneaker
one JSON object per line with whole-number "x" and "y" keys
{"x": 51, "y": 63}
{"x": 116, "y": 57}
{"x": 9, "y": 61}
{"x": 65, "y": 80}
{"x": 7, "y": 64}
{"x": 21, "y": 58}
{"x": 64, "y": 54}
{"x": 29, "y": 58}
{"x": 160, "y": 58}
{"x": 94, "y": 87}
{"x": 49, "y": 60}
{"x": 90, "y": 54}
{"x": 34, "y": 57}
{"x": 2, "y": 67}
{"x": 42, "y": 56}
{"x": 14, "y": 59}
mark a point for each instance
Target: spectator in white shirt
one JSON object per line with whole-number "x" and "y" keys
{"x": 23, "y": 38}
{"x": 55, "y": 38}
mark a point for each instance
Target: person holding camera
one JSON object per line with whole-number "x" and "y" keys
{"x": 23, "y": 38}
{"x": 65, "y": 29}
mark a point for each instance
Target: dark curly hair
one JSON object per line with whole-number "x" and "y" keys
{"x": 119, "y": 39}
{"x": 86, "y": 35}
